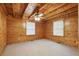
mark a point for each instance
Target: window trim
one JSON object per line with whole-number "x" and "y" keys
{"x": 26, "y": 29}
{"x": 63, "y": 28}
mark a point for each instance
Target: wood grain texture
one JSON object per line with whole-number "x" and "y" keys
{"x": 62, "y": 8}
{"x": 18, "y": 9}
{"x": 16, "y": 31}
{"x": 78, "y": 26}
{"x": 3, "y": 35}
{"x": 70, "y": 31}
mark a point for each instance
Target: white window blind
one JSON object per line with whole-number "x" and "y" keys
{"x": 30, "y": 28}
{"x": 58, "y": 28}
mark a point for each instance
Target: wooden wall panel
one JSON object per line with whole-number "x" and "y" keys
{"x": 70, "y": 31}
{"x": 3, "y": 29}
{"x": 78, "y": 26}
{"x": 16, "y": 31}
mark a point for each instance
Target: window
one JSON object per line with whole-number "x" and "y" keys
{"x": 30, "y": 28}
{"x": 58, "y": 28}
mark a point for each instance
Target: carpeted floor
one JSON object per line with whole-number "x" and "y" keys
{"x": 40, "y": 48}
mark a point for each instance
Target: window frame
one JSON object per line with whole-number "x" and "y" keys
{"x": 26, "y": 28}
{"x": 63, "y": 34}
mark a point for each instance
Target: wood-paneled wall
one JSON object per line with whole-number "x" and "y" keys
{"x": 70, "y": 30}
{"x": 3, "y": 34}
{"x": 78, "y": 26}
{"x": 13, "y": 30}
{"x": 16, "y": 31}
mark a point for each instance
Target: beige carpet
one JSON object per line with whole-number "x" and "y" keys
{"x": 40, "y": 48}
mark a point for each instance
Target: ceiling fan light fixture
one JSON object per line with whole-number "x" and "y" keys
{"x": 37, "y": 18}
{"x": 38, "y": 15}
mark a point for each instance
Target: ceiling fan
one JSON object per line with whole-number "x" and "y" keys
{"x": 38, "y": 15}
